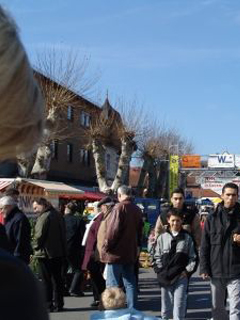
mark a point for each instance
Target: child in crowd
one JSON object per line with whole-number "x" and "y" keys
{"x": 175, "y": 260}
{"x": 113, "y": 302}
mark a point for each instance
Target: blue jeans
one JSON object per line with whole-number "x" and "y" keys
{"x": 218, "y": 290}
{"x": 125, "y": 272}
{"x": 174, "y": 300}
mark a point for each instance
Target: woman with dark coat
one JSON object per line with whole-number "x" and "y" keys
{"x": 75, "y": 228}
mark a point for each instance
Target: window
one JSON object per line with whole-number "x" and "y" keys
{"x": 85, "y": 157}
{"x": 54, "y": 149}
{"x": 108, "y": 162}
{"x": 70, "y": 113}
{"x": 69, "y": 152}
{"x": 85, "y": 119}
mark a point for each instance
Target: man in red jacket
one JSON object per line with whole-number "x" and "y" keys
{"x": 122, "y": 243}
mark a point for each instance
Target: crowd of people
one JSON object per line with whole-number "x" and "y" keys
{"x": 108, "y": 246}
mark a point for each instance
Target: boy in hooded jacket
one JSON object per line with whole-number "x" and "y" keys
{"x": 176, "y": 259}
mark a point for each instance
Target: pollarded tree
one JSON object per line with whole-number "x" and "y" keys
{"x": 121, "y": 129}
{"x": 155, "y": 149}
{"x": 59, "y": 76}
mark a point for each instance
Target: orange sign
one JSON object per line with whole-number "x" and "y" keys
{"x": 191, "y": 161}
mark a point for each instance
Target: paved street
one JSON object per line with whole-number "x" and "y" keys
{"x": 149, "y": 300}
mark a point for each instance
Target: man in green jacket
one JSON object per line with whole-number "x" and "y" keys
{"x": 50, "y": 250}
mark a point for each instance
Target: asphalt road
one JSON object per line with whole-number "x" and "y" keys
{"x": 149, "y": 300}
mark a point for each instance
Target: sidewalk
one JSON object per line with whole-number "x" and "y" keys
{"x": 149, "y": 300}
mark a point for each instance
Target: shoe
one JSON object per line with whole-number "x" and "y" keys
{"x": 74, "y": 294}
{"x": 94, "y": 304}
{"x": 51, "y": 309}
{"x": 59, "y": 309}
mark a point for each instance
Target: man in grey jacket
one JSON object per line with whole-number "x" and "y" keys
{"x": 50, "y": 249}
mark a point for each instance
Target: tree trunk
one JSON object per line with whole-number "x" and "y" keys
{"x": 44, "y": 152}
{"x": 162, "y": 184}
{"x": 152, "y": 176}
{"x": 99, "y": 158}
{"x": 141, "y": 180}
{"x": 42, "y": 162}
{"x": 127, "y": 149}
{"x": 25, "y": 165}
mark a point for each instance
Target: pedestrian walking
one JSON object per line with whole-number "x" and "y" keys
{"x": 190, "y": 216}
{"x": 220, "y": 254}
{"x": 75, "y": 228}
{"x": 17, "y": 228}
{"x": 50, "y": 250}
{"x": 122, "y": 244}
{"x": 175, "y": 260}
{"x": 95, "y": 239}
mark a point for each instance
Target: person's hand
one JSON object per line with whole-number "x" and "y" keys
{"x": 204, "y": 276}
{"x": 156, "y": 269}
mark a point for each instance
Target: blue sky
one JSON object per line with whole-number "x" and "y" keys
{"x": 180, "y": 59}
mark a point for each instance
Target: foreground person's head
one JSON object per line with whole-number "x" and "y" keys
{"x": 21, "y": 103}
{"x": 113, "y": 298}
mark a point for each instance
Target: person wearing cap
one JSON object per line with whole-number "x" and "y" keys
{"x": 18, "y": 229}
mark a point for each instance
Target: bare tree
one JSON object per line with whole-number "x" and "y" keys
{"x": 59, "y": 76}
{"x": 121, "y": 129}
{"x": 155, "y": 149}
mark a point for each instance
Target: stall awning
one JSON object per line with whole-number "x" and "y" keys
{"x": 4, "y": 183}
{"x": 35, "y": 186}
{"x": 54, "y": 187}
{"x": 87, "y": 195}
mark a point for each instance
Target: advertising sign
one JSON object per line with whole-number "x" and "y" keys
{"x": 237, "y": 161}
{"x": 173, "y": 172}
{"x": 216, "y": 184}
{"x": 224, "y": 160}
{"x": 191, "y": 161}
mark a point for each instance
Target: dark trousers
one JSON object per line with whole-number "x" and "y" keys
{"x": 74, "y": 279}
{"x": 98, "y": 283}
{"x": 51, "y": 275}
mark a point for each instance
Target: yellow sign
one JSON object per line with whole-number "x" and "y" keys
{"x": 173, "y": 173}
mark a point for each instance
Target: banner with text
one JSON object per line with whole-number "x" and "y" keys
{"x": 216, "y": 184}
{"x": 173, "y": 173}
{"x": 224, "y": 160}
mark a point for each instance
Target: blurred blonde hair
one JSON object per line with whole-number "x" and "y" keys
{"x": 113, "y": 298}
{"x": 21, "y": 103}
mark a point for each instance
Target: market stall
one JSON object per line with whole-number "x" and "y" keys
{"x": 31, "y": 189}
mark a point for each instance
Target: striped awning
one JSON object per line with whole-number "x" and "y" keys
{"x": 54, "y": 187}
{"x": 40, "y": 187}
{"x": 4, "y": 183}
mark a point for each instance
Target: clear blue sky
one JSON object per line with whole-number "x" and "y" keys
{"x": 181, "y": 59}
